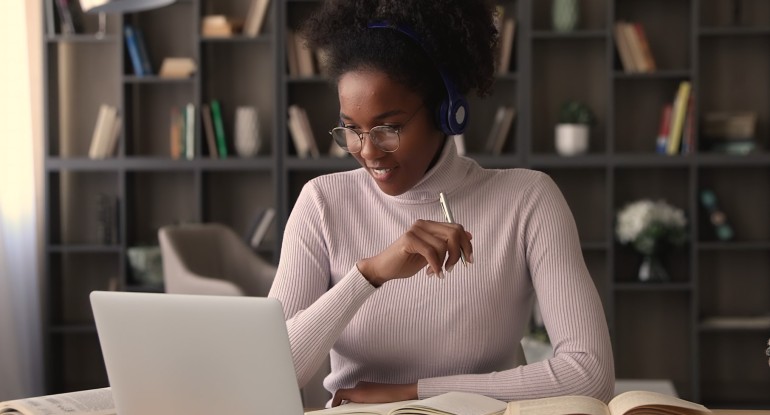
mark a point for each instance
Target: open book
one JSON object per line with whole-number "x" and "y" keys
{"x": 87, "y": 402}
{"x": 452, "y": 403}
{"x": 627, "y": 403}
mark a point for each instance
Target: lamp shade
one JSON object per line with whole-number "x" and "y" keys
{"x": 121, "y": 6}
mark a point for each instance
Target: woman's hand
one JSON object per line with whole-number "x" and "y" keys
{"x": 367, "y": 392}
{"x": 425, "y": 243}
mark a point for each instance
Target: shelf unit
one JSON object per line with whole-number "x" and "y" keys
{"x": 656, "y": 328}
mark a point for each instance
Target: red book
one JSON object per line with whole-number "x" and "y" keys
{"x": 661, "y": 144}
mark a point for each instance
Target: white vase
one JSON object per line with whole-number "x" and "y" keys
{"x": 247, "y": 139}
{"x": 571, "y": 139}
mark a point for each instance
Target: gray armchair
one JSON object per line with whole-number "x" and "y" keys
{"x": 211, "y": 259}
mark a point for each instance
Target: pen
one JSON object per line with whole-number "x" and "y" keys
{"x": 449, "y": 218}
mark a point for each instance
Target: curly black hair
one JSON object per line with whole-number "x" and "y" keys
{"x": 457, "y": 35}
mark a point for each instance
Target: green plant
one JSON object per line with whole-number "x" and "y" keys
{"x": 575, "y": 112}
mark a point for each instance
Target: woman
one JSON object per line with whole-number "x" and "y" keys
{"x": 361, "y": 248}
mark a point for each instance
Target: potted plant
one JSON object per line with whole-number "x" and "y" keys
{"x": 572, "y": 131}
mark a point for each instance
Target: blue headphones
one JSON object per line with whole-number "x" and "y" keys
{"x": 453, "y": 111}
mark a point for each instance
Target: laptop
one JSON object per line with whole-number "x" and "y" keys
{"x": 195, "y": 354}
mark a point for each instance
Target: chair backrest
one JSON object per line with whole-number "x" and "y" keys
{"x": 211, "y": 259}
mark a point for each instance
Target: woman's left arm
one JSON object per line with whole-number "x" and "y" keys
{"x": 582, "y": 363}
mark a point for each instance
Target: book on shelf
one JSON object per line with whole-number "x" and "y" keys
{"x": 255, "y": 18}
{"x": 624, "y": 49}
{"x": 291, "y": 54}
{"x": 627, "y": 403}
{"x": 106, "y": 132}
{"x": 85, "y": 402}
{"x": 106, "y": 219}
{"x": 664, "y": 128}
{"x": 644, "y": 46}
{"x": 301, "y": 133}
{"x": 137, "y": 51}
{"x": 501, "y": 127}
{"x": 451, "y": 403}
{"x": 507, "y": 41}
{"x": 177, "y": 67}
{"x": 144, "y": 56}
{"x": 219, "y": 128}
{"x": 208, "y": 130}
{"x": 220, "y": 25}
{"x": 176, "y": 123}
{"x": 634, "y": 47}
{"x": 189, "y": 131}
{"x": 260, "y": 224}
{"x": 678, "y": 117}
{"x": 305, "y": 63}
{"x": 688, "y": 131}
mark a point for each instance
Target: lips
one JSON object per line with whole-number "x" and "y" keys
{"x": 382, "y": 173}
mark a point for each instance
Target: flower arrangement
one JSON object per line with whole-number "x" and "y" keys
{"x": 645, "y": 224}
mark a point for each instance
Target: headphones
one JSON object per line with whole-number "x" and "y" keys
{"x": 453, "y": 111}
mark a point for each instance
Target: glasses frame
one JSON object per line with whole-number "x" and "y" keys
{"x": 376, "y": 144}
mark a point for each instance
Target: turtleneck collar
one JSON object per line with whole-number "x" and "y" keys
{"x": 446, "y": 175}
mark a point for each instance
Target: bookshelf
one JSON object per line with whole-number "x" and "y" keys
{"x": 658, "y": 330}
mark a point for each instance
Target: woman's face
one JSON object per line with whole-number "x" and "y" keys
{"x": 369, "y": 98}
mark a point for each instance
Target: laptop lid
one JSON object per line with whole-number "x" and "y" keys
{"x": 195, "y": 354}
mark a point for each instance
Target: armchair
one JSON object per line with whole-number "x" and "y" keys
{"x": 211, "y": 259}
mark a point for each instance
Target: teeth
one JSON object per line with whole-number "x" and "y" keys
{"x": 381, "y": 171}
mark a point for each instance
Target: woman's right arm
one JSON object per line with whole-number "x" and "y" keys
{"x": 316, "y": 315}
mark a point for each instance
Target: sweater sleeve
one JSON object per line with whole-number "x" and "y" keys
{"x": 582, "y": 363}
{"x": 316, "y": 315}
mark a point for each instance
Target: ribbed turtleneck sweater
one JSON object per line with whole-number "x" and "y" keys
{"x": 461, "y": 333}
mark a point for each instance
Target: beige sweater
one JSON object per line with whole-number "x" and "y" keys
{"x": 456, "y": 334}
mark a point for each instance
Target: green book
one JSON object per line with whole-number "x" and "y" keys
{"x": 219, "y": 128}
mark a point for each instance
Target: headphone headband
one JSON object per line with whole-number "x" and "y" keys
{"x": 452, "y": 112}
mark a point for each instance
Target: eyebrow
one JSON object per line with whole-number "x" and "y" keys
{"x": 379, "y": 117}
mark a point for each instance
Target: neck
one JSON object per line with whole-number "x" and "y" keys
{"x": 437, "y": 155}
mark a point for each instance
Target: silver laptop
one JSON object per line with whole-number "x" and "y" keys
{"x": 191, "y": 354}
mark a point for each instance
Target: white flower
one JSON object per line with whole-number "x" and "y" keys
{"x": 644, "y": 222}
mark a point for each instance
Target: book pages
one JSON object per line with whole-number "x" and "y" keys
{"x": 560, "y": 405}
{"x": 641, "y": 401}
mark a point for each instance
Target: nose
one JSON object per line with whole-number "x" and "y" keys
{"x": 369, "y": 151}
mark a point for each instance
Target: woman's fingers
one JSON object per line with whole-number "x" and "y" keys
{"x": 430, "y": 247}
{"x": 437, "y": 245}
{"x": 451, "y": 241}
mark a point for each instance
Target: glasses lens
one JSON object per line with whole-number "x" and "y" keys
{"x": 385, "y": 138}
{"x": 347, "y": 139}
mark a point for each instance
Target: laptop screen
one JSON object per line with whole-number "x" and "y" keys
{"x": 192, "y": 354}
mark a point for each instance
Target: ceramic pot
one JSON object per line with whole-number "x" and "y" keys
{"x": 571, "y": 139}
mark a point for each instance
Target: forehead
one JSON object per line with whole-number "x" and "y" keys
{"x": 372, "y": 90}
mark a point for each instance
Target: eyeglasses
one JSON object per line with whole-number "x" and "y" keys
{"x": 385, "y": 137}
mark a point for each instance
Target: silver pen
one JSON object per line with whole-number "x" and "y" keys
{"x": 451, "y": 219}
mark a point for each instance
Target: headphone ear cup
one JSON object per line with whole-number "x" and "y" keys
{"x": 453, "y": 116}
